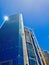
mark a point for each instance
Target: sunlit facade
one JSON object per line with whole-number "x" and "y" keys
{"x": 46, "y": 55}
{"x": 18, "y": 44}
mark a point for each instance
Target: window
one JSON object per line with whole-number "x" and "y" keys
{"x": 36, "y": 51}
{"x": 31, "y": 54}
{"x": 27, "y": 36}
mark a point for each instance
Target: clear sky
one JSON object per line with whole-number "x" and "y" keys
{"x": 35, "y": 15}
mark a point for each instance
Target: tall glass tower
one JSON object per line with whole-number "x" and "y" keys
{"x": 18, "y": 44}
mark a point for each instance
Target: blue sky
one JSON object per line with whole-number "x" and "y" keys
{"x": 35, "y": 15}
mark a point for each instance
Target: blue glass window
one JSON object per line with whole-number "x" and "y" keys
{"x": 31, "y": 55}
{"x": 11, "y": 41}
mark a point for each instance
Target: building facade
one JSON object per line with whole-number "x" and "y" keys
{"x": 46, "y": 55}
{"x": 18, "y": 44}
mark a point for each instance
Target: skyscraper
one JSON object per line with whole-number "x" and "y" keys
{"x": 46, "y": 55}
{"x": 18, "y": 44}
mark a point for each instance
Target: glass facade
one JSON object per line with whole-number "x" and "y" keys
{"x": 30, "y": 49}
{"x": 11, "y": 52}
{"x": 34, "y": 42}
{"x": 31, "y": 55}
{"x": 17, "y": 44}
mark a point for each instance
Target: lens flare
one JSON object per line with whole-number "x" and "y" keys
{"x": 6, "y": 18}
